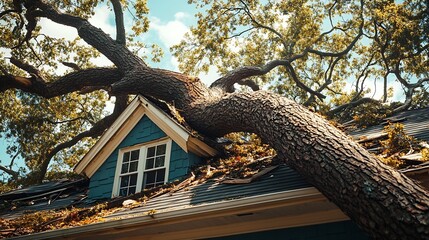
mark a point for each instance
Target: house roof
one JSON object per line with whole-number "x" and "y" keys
{"x": 416, "y": 124}
{"x": 46, "y": 196}
{"x": 113, "y": 136}
{"x": 279, "y": 199}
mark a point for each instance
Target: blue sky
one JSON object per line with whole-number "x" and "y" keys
{"x": 170, "y": 19}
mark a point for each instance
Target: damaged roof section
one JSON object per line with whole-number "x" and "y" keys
{"x": 416, "y": 123}
{"x": 47, "y": 196}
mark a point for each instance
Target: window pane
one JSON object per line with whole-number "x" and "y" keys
{"x": 124, "y": 168}
{"x": 131, "y": 190}
{"x": 149, "y": 186}
{"x": 149, "y": 163}
{"x": 135, "y": 155}
{"x": 124, "y": 181}
{"x": 133, "y": 179}
{"x": 126, "y": 157}
{"x": 160, "y": 150}
{"x": 150, "y": 177}
{"x": 160, "y": 175}
{"x": 133, "y": 166}
{"x": 123, "y": 192}
{"x": 151, "y": 152}
{"x": 159, "y": 161}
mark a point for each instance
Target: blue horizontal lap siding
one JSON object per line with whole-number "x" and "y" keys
{"x": 101, "y": 183}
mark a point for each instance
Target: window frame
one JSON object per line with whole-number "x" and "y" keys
{"x": 141, "y": 163}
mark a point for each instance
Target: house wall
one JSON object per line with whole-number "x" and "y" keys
{"x": 101, "y": 183}
{"x": 328, "y": 231}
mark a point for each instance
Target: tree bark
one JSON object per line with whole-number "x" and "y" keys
{"x": 382, "y": 201}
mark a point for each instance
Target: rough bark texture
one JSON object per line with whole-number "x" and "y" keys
{"x": 381, "y": 200}
{"x": 378, "y": 198}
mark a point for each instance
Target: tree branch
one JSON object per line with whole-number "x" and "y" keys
{"x": 11, "y": 172}
{"x": 95, "y": 131}
{"x": 226, "y": 82}
{"x": 68, "y": 83}
{"x": 270, "y": 29}
{"x": 119, "y": 19}
{"x": 250, "y": 83}
{"x": 339, "y": 54}
{"x": 94, "y": 37}
{"x": 5, "y": 12}
{"x": 348, "y": 48}
{"x": 350, "y": 105}
{"x": 26, "y": 67}
{"x": 301, "y": 84}
{"x": 31, "y": 25}
{"x": 71, "y": 65}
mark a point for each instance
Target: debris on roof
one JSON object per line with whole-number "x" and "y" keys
{"x": 46, "y": 196}
{"x": 280, "y": 179}
{"x": 416, "y": 124}
{"x": 371, "y": 137}
{"x": 397, "y": 140}
{"x": 250, "y": 179}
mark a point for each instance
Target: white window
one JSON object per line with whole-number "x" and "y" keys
{"x": 141, "y": 167}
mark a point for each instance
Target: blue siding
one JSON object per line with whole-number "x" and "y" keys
{"x": 101, "y": 183}
{"x": 180, "y": 162}
{"x": 328, "y": 231}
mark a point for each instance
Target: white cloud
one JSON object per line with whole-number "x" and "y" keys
{"x": 172, "y": 32}
{"x": 209, "y": 77}
{"x": 6, "y": 52}
{"x": 101, "y": 19}
{"x": 56, "y": 30}
{"x": 180, "y": 15}
{"x": 377, "y": 89}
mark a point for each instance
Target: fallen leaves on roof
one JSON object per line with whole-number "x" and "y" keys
{"x": 395, "y": 147}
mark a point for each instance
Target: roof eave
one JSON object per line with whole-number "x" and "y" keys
{"x": 224, "y": 208}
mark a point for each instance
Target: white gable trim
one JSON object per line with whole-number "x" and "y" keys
{"x": 113, "y": 136}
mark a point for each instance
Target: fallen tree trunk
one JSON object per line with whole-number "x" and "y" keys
{"x": 382, "y": 201}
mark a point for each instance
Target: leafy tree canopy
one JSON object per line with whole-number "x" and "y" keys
{"x": 325, "y": 54}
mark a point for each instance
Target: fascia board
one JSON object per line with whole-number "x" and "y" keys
{"x": 177, "y": 132}
{"x": 200, "y": 148}
{"x": 166, "y": 124}
{"x": 99, "y": 145}
{"x": 113, "y": 142}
